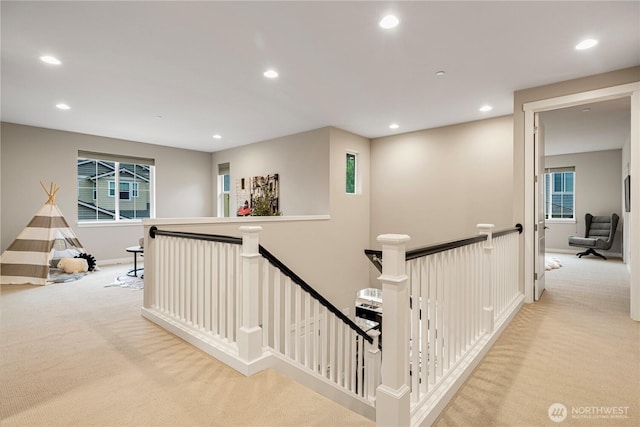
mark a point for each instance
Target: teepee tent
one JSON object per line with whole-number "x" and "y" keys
{"x": 28, "y": 258}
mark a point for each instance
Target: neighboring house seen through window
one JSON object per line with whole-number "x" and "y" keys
{"x": 127, "y": 190}
{"x": 98, "y": 177}
{"x": 559, "y": 186}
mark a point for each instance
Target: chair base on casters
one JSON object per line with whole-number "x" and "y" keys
{"x": 590, "y": 252}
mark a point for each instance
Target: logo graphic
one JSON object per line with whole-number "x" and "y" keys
{"x": 557, "y": 412}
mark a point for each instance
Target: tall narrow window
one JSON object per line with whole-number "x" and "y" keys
{"x": 352, "y": 173}
{"x": 224, "y": 190}
{"x": 114, "y": 188}
{"x": 559, "y": 186}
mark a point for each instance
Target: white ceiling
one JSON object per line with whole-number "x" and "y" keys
{"x": 199, "y": 65}
{"x": 597, "y": 126}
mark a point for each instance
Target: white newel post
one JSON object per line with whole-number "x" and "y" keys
{"x": 250, "y": 333}
{"x": 374, "y": 358}
{"x": 392, "y": 397}
{"x": 487, "y": 285}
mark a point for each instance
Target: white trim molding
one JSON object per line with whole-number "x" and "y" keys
{"x": 631, "y": 90}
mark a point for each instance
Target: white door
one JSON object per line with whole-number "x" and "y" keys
{"x": 539, "y": 206}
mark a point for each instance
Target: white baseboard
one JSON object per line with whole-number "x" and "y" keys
{"x": 128, "y": 260}
{"x": 577, "y": 250}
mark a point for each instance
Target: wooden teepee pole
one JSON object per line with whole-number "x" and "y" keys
{"x": 51, "y": 193}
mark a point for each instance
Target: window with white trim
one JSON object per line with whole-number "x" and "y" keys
{"x": 103, "y": 176}
{"x": 559, "y": 193}
{"x": 351, "y": 173}
{"x": 224, "y": 190}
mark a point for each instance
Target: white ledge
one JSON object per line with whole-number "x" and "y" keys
{"x": 233, "y": 220}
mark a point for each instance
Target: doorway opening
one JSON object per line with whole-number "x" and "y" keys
{"x": 532, "y": 251}
{"x": 586, "y": 160}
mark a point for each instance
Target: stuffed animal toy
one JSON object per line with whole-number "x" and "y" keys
{"x": 91, "y": 261}
{"x": 73, "y": 265}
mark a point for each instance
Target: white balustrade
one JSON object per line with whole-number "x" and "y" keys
{"x": 230, "y": 292}
{"x": 505, "y": 268}
{"x": 301, "y": 329}
{"x": 455, "y": 298}
{"x": 438, "y": 310}
{"x": 194, "y": 281}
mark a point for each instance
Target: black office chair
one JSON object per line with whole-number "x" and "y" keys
{"x": 599, "y": 234}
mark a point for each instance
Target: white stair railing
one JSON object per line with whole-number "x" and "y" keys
{"x": 196, "y": 282}
{"x": 301, "y": 326}
{"x": 457, "y": 295}
{"x": 235, "y": 300}
{"x": 443, "y": 307}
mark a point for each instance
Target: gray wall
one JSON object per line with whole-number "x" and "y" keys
{"x": 302, "y": 162}
{"x": 327, "y": 252}
{"x": 436, "y": 185}
{"x": 597, "y": 191}
{"x": 30, "y": 154}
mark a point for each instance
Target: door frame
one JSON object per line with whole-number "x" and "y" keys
{"x": 538, "y": 215}
{"x": 631, "y": 90}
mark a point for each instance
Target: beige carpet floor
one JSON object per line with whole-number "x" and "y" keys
{"x": 577, "y": 347}
{"x": 80, "y": 354}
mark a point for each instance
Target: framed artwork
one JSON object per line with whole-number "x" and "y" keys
{"x": 258, "y": 195}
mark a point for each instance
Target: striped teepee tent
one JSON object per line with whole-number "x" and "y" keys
{"x": 27, "y": 259}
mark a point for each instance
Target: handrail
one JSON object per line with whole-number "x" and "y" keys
{"x": 307, "y": 288}
{"x": 441, "y": 247}
{"x": 375, "y": 256}
{"x": 153, "y": 232}
{"x": 517, "y": 228}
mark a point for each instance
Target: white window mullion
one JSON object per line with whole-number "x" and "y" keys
{"x": 117, "y": 203}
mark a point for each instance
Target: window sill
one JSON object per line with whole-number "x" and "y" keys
{"x": 97, "y": 224}
{"x": 560, "y": 221}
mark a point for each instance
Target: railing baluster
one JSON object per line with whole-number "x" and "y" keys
{"x": 266, "y": 303}
{"x": 222, "y": 304}
{"x": 307, "y": 330}
{"x": 298, "y": 320}
{"x": 339, "y": 353}
{"x": 188, "y": 283}
{"x": 324, "y": 340}
{"x": 236, "y": 302}
{"x": 206, "y": 266}
{"x": 352, "y": 355}
{"x": 424, "y": 326}
{"x": 215, "y": 289}
{"x": 231, "y": 292}
{"x": 277, "y": 313}
{"x": 182, "y": 272}
{"x": 414, "y": 282}
{"x": 317, "y": 345}
{"x": 287, "y": 317}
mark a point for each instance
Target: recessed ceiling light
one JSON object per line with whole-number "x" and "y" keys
{"x": 586, "y": 110}
{"x": 216, "y": 136}
{"x": 486, "y": 108}
{"x": 50, "y": 60}
{"x": 270, "y": 74}
{"x": 440, "y": 73}
{"x": 62, "y": 106}
{"x": 388, "y": 22}
{"x": 586, "y": 44}
{"x": 393, "y": 126}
